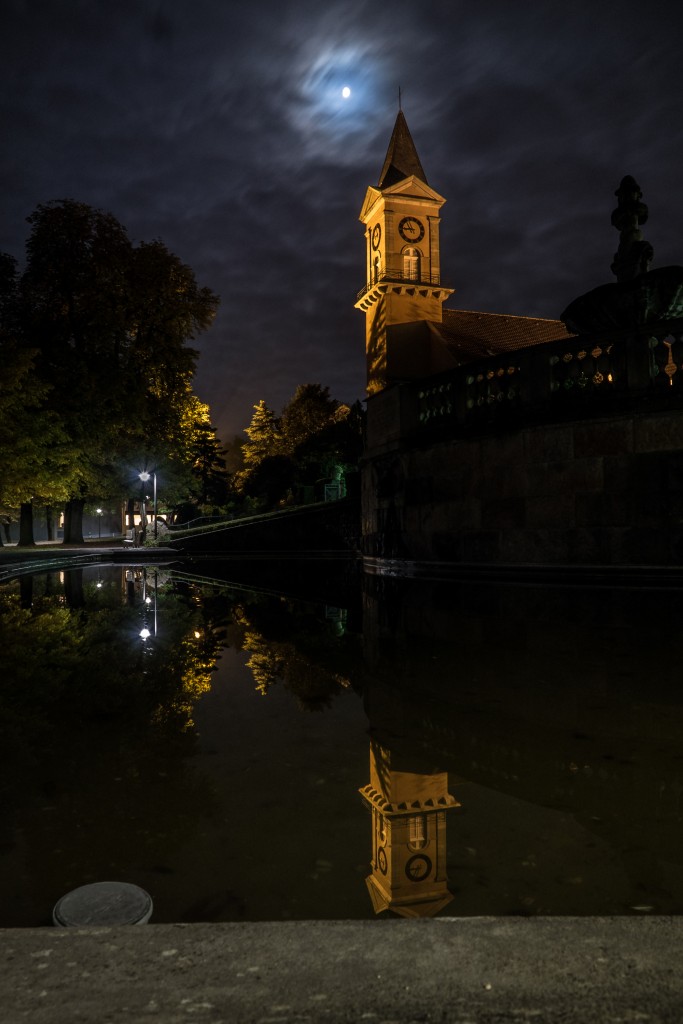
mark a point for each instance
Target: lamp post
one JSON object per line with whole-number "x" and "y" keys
{"x": 144, "y": 476}
{"x": 99, "y": 523}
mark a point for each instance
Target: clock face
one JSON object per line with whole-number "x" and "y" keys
{"x": 382, "y": 861}
{"x": 411, "y": 229}
{"x": 418, "y": 867}
{"x": 376, "y": 235}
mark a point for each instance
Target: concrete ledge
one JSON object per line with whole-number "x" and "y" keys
{"x": 455, "y": 970}
{"x": 531, "y": 573}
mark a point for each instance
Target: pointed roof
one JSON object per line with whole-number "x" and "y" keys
{"x": 401, "y": 160}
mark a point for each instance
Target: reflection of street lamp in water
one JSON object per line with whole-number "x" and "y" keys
{"x": 147, "y": 601}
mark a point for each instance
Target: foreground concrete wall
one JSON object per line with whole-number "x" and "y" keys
{"x": 600, "y": 491}
{"x": 457, "y": 970}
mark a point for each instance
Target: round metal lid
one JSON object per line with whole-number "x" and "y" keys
{"x": 103, "y": 903}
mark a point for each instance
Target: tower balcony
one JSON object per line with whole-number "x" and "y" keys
{"x": 399, "y": 284}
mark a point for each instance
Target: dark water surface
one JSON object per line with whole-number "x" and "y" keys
{"x": 519, "y": 750}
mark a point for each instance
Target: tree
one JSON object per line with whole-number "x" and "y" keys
{"x": 324, "y": 437}
{"x": 168, "y": 309}
{"x": 234, "y": 455}
{"x": 208, "y": 465}
{"x": 315, "y": 439}
{"x": 264, "y": 436}
{"x": 110, "y": 323}
{"x": 264, "y": 442}
{"x": 309, "y": 411}
{"x": 202, "y": 452}
{"x": 271, "y": 481}
{"x": 33, "y": 451}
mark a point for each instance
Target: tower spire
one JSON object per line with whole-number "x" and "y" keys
{"x": 401, "y": 160}
{"x": 403, "y": 295}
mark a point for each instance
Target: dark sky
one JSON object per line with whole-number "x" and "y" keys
{"x": 219, "y": 127}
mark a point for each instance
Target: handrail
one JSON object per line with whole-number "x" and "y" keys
{"x": 201, "y": 519}
{"x": 580, "y": 375}
{"x": 236, "y": 522}
{"x": 23, "y": 567}
{"x": 394, "y": 278}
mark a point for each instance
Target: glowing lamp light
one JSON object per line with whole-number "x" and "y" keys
{"x": 145, "y": 633}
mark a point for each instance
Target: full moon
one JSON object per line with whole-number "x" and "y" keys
{"x": 346, "y": 92}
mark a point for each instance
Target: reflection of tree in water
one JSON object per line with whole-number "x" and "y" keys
{"x": 95, "y": 741}
{"x": 303, "y": 649}
{"x": 103, "y": 802}
{"x": 95, "y": 738}
{"x": 88, "y": 663}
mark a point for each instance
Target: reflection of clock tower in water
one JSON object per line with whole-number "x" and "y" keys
{"x": 401, "y": 217}
{"x": 408, "y": 837}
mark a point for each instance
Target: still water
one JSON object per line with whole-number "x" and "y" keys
{"x": 252, "y": 742}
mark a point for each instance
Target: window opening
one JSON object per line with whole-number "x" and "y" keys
{"x": 411, "y": 265}
{"x": 417, "y": 831}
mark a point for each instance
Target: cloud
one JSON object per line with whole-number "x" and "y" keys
{"x": 219, "y": 127}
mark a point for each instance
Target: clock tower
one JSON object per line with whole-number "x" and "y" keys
{"x": 403, "y": 269}
{"x": 408, "y": 837}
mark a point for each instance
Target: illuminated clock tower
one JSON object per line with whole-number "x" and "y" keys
{"x": 408, "y": 837}
{"x": 403, "y": 270}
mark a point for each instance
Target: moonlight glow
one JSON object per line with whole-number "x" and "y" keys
{"x": 346, "y": 92}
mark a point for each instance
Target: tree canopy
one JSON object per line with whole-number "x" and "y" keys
{"x": 314, "y": 440}
{"x": 94, "y": 336}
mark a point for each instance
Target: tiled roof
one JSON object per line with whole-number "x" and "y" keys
{"x": 470, "y": 335}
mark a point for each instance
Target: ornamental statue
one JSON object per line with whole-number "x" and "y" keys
{"x": 640, "y": 295}
{"x": 634, "y": 255}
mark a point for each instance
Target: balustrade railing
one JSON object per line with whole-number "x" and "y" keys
{"x": 579, "y": 374}
{"x": 394, "y": 277}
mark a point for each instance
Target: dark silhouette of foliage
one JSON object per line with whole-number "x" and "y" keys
{"x": 288, "y": 459}
{"x": 104, "y": 327}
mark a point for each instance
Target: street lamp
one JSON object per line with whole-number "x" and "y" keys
{"x": 144, "y": 476}
{"x": 99, "y": 523}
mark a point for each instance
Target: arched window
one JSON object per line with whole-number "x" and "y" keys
{"x": 411, "y": 265}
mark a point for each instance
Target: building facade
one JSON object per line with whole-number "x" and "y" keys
{"x": 505, "y": 440}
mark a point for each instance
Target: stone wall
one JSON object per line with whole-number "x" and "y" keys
{"x": 601, "y": 491}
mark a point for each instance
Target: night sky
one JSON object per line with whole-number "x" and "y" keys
{"x": 220, "y": 127}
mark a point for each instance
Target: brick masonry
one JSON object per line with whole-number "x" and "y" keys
{"x": 600, "y": 492}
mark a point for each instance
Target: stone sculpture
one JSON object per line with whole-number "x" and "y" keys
{"x": 640, "y": 295}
